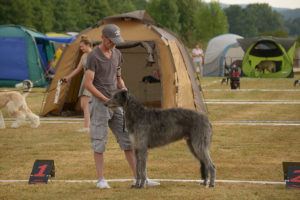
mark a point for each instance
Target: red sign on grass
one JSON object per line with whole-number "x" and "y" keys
{"x": 42, "y": 170}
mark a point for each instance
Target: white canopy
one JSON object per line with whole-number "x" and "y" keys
{"x": 216, "y": 53}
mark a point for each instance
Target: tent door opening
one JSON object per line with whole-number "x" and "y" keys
{"x": 141, "y": 72}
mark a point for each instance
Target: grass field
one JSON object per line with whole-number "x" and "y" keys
{"x": 240, "y": 152}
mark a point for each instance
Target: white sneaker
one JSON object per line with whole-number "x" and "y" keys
{"x": 81, "y": 130}
{"x": 102, "y": 184}
{"x": 152, "y": 183}
{"x": 148, "y": 182}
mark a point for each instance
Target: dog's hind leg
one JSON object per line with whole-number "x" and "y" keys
{"x": 201, "y": 152}
{"x": 210, "y": 167}
{"x": 141, "y": 159}
{"x": 203, "y": 168}
{"x": 34, "y": 119}
{"x": 2, "y": 123}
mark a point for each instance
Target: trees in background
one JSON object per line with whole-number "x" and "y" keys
{"x": 210, "y": 21}
{"x": 253, "y": 20}
{"x": 61, "y": 15}
{"x": 293, "y": 25}
{"x": 187, "y": 12}
{"x": 193, "y": 20}
{"x": 166, "y": 13}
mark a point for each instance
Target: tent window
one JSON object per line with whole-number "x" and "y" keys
{"x": 266, "y": 49}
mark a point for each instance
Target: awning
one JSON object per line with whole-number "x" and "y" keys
{"x": 287, "y": 43}
{"x": 59, "y": 39}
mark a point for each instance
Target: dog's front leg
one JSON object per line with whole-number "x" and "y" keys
{"x": 2, "y": 123}
{"x": 143, "y": 167}
{"x": 20, "y": 118}
{"x": 141, "y": 158}
{"x": 138, "y": 177}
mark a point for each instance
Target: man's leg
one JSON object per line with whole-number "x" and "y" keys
{"x": 98, "y": 135}
{"x": 200, "y": 68}
{"x": 99, "y": 160}
{"x": 84, "y": 101}
{"x": 116, "y": 124}
{"x": 129, "y": 154}
{"x": 195, "y": 66}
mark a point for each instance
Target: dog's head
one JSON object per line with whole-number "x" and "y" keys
{"x": 118, "y": 100}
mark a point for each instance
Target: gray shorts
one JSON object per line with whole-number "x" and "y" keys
{"x": 102, "y": 118}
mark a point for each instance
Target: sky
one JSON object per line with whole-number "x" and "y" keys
{"x": 292, "y": 4}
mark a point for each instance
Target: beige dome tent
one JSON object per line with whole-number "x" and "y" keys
{"x": 148, "y": 50}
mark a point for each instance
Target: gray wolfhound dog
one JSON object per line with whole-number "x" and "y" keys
{"x": 150, "y": 128}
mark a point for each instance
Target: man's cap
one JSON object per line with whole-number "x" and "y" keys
{"x": 113, "y": 33}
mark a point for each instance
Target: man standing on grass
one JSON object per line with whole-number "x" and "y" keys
{"x": 198, "y": 58}
{"x": 103, "y": 79}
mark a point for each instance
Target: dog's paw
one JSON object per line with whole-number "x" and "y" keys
{"x": 134, "y": 186}
{"x": 34, "y": 125}
{"x": 15, "y": 125}
{"x": 137, "y": 186}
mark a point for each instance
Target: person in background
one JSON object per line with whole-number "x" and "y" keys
{"x": 84, "y": 94}
{"x": 198, "y": 58}
{"x": 58, "y": 53}
{"x": 103, "y": 79}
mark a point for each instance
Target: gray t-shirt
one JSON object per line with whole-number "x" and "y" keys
{"x": 106, "y": 70}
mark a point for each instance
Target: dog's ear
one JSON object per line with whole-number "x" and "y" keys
{"x": 124, "y": 94}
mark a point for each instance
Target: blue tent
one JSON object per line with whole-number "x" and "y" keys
{"x": 25, "y": 54}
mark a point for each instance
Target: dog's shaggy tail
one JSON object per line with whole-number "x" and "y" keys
{"x": 27, "y": 84}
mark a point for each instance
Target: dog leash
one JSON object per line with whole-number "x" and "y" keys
{"x": 124, "y": 122}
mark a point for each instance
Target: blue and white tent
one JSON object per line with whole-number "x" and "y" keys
{"x": 221, "y": 50}
{"x": 25, "y": 54}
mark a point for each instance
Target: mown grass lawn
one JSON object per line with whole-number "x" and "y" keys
{"x": 253, "y": 153}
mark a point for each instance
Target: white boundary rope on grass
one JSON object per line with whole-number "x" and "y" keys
{"x": 242, "y": 122}
{"x": 251, "y": 90}
{"x": 211, "y": 83}
{"x": 258, "y": 123}
{"x": 232, "y": 101}
{"x": 52, "y": 119}
{"x": 252, "y": 102}
{"x": 158, "y": 180}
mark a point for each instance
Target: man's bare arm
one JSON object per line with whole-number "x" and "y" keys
{"x": 121, "y": 84}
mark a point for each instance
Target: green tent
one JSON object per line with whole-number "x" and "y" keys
{"x": 24, "y": 54}
{"x": 268, "y": 57}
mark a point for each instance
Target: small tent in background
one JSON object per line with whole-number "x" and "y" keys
{"x": 148, "y": 49}
{"x": 268, "y": 57}
{"x": 23, "y": 55}
{"x": 221, "y": 50}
